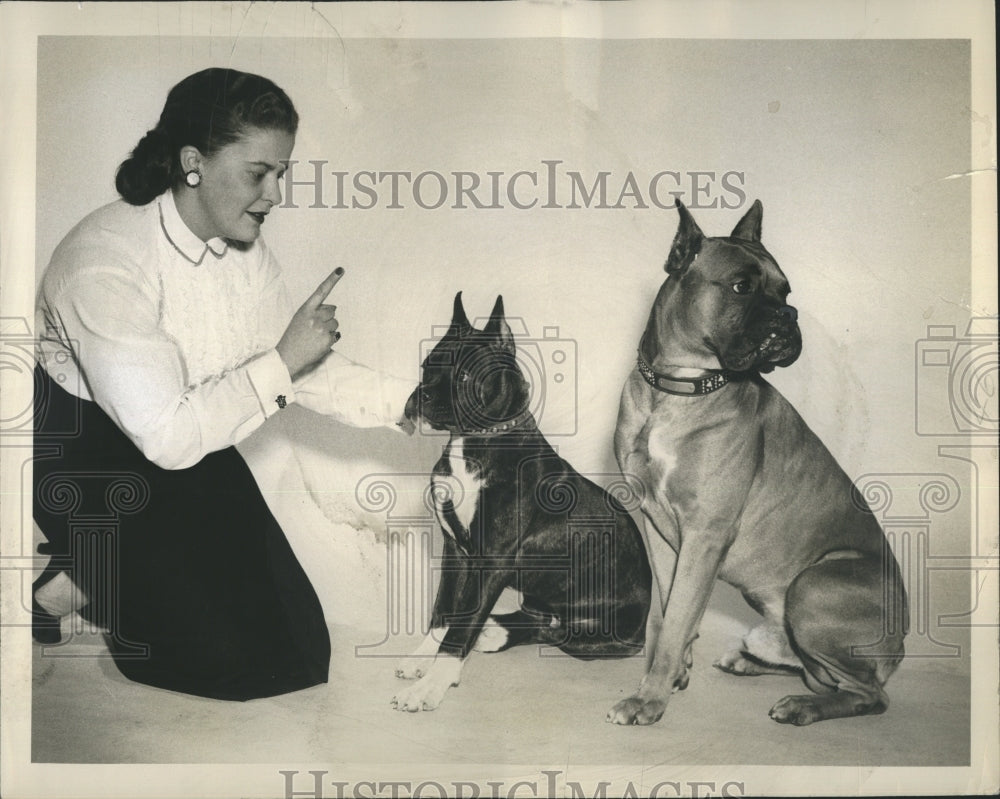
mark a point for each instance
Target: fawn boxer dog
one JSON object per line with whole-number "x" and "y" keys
{"x": 515, "y": 515}
{"x": 737, "y": 487}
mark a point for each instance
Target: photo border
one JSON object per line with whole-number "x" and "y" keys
{"x": 20, "y": 26}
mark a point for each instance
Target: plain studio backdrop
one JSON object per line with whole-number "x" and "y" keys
{"x": 851, "y": 146}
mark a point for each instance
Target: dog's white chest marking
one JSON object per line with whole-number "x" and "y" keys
{"x": 456, "y": 495}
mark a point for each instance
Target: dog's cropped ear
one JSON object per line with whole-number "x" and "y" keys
{"x": 687, "y": 242}
{"x": 497, "y": 326}
{"x": 459, "y": 321}
{"x": 748, "y": 228}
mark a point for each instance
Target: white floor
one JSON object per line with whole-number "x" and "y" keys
{"x": 522, "y": 706}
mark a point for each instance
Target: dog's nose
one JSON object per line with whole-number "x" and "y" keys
{"x": 787, "y": 313}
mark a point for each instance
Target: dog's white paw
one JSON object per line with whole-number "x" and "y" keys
{"x": 413, "y": 668}
{"x": 733, "y": 662}
{"x": 765, "y": 650}
{"x": 736, "y": 662}
{"x": 492, "y": 638}
{"x": 429, "y": 690}
{"x": 419, "y": 663}
{"x": 422, "y": 695}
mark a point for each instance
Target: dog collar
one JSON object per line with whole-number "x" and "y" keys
{"x": 503, "y": 427}
{"x": 682, "y": 386}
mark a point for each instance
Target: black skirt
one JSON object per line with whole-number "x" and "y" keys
{"x": 187, "y": 569}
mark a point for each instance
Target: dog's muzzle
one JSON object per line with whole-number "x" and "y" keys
{"x": 412, "y": 408}
{"x": 776, "y": 342}
{"x": 421, "y": 405}
{"x": 788, "y": 313}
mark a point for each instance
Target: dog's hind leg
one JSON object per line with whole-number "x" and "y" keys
{"x": 846, "y": 616}
{"x": 581, "y": 638}
{"x": 504, "y": 630}
{"x": 764, "y": 650}
{"x": 500, "y": 632}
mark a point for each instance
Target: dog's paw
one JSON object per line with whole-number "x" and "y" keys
{"x": 418, "y": 697}
{"x": 797, "y": 710}
{"x": 636, "y": 710}
{"x": 419, "y": 663}
{"x": 734, "y": 662}
{"x": 413, "y": 668}
{"x": 429, "y": 690}
{"x": 492, "y": 638}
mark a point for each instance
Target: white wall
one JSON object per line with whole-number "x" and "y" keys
{"x": 847, "y": 143}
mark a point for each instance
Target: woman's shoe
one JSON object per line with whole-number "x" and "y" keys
{"x": 44, "y": 626}
{"x": 51, "y": 599}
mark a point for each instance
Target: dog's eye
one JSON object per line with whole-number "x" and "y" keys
{"x": 742, "y": 286}
{"x": 464, "y": 377}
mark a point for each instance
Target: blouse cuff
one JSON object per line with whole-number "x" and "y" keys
{"x": 271, "y": 382}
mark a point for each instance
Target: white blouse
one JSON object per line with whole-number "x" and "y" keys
{"x": 175, "y": 338}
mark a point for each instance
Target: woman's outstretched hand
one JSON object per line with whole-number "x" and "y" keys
{"x": 313, "y": 330}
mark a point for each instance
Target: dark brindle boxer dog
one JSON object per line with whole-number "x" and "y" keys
{"x": 520, "y": 517}
{"x": 738, "y": 487}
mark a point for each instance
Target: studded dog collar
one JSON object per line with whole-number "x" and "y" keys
{"x": 682, "y": 386}
{"x": 501, "y": 427}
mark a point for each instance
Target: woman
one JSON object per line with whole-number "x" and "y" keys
{"x": 165, "y": 340}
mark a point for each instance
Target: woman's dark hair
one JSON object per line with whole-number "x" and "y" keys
{"x": 207, "y": 110}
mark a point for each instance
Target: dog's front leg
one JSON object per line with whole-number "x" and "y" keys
{"x": 449, "y": 592}
{"x": 697, "y": 566}
{"x": 477, "y": 593}
{"x": 663, "y": 559}
{"x": 416, "y": 665}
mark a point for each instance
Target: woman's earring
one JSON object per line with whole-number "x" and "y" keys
{"x": 192, "y": 178}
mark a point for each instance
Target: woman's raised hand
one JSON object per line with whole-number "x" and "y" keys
{"x": 313, "y": 330}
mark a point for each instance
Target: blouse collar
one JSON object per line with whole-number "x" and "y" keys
{"x": 191, "y": 247}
